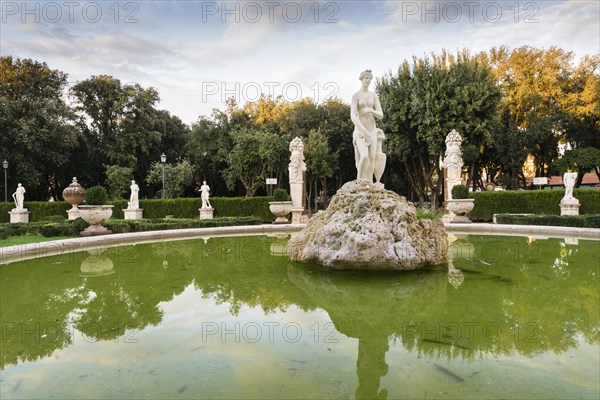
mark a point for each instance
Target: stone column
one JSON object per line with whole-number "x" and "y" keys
{"x": 296, "y": 169}
{"x": 453, "y": 164}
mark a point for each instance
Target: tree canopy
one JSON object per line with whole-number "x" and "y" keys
{"x": 508, "y": 105}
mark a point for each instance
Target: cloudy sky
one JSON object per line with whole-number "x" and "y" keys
{"x": 198, "y": 53}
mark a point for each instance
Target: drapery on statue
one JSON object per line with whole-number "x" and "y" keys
{"x": 569, "y": 179}
{"x": 19, "y": 197}
{"x": 204, "y": 194}
{"x": 367, "y": 138}
{"x": 134, "y": 202}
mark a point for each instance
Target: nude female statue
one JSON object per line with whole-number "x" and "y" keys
{"x": 367, "y": 138}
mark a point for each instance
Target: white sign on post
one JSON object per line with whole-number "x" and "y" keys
{"x": 271, "y": 181}
{"x": 540, "y": 180}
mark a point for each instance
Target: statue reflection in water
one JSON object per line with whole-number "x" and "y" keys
{"x": 356, "y": 312}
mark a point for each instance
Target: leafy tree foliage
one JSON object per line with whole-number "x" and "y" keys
{"x": 121, "y": 126}
{"x": 320, "y": 161}
{"x": 250, "y": 158}
{"x": 118, "y": 180}
{"x": 507, "y": 105}
{"x": 424, "y": 101}
{"x": 581, "y": 160}
{"x": 178, "y": 177}
{"x": 38, "y": 128}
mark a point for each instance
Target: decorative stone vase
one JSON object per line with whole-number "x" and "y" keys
{"x": 95, "y": 216}
{"x": 281, "y": 209}
{"x": 74, "y": 194}
{"x": 461, "y": 207}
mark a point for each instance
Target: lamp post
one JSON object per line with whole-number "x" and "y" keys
{"x": 5, "y": 166}
{"x": 163, "y": 160}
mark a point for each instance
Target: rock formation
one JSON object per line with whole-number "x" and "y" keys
{"x": 368, "y": 227}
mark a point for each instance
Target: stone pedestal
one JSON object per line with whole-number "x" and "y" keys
{"x": 73, "y": 213}
{"x": 19, "y": 216}
{"x": 366, "y": 227}
{"x": 206, "y": 213}
{"x": 133, "y": 213}
{"x": 448, "y": 217}
{"x": 296, "y": 189}
{"x": 569, "y": 206}
{"x": 297, "y": 215}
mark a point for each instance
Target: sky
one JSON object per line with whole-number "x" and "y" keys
{"x": 199, "y": 53}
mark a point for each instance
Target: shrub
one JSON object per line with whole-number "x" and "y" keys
{"x": 280, "y": 194}
{"x": 578, "y": 221}
{"x": 460, "y": 192}
{"x": 428, "y": 214}
{"x": 56, "y": 229}
{"x": 56, "y": 218}
{"x": 539, "y": 202}
{"x": 95, "y": 196}
{"x": 157, "y": 208}
{"x": 77, "y": 225}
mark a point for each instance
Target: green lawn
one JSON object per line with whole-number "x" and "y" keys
{"x": 11, "y": 241}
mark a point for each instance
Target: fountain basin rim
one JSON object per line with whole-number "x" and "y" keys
{"x": 15, "y": 253}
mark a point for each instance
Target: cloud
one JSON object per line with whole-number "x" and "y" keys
{"x": 177, "y": 47}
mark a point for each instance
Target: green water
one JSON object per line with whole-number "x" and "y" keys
{"x": 232, "y": 318}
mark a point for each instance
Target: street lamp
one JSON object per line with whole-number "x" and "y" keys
{"x": 163, "y": 160}
{"x": 5, "y": 166}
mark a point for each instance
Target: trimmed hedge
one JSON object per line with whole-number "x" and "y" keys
{"x": 578, "y": 221}
{"x": 38, "y": 210}
{"x": 72, "y": 228}
{"x": 125, "y": 226}
{"x": 157, "y": 208}
{"x": 540, "y": 202}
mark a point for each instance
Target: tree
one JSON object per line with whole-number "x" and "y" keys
{"x": 253, "y": 153}
{"x": 118, "y": 180}
{"x": 337, "y": 127}
{"x": 534, "y": 84}
{"x": 321, "y": 162}
{"x": 207, "y": 150}
{"x": 581, "y": 160}
{"x": 178, "y": 176}
{"x": 424, "y": 101}
{"x": 38, "y": 128}
{"x": 120, "y": 124}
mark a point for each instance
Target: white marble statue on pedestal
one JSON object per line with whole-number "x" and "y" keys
{"x": 569, "y": 205}
{"x": 569, "y": 179}
{"x": 205, "y": 194}
{"x": 367, "y": 138}
{"x": 134, "y": 201}
{"x": 19, "y": 197}
{"x": 19, "y": 214}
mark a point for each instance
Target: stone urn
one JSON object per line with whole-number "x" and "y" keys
{"x": 73, "y": 194}
{"x": 95, "y": 215}
{"x": 461, "y": 207}
{"x": 281, "y": 209}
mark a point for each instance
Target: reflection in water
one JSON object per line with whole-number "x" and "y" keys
{"x": 97, "y": 264}
{"x": 498, "y": 296}
{"x": 371, "y": 308}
